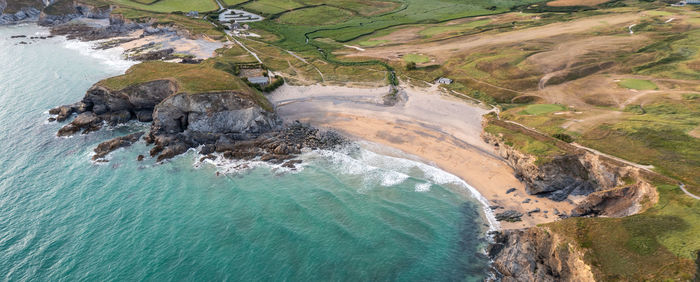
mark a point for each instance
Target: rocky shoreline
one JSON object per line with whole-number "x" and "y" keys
{"x": 232, "y": 125}
{"x": 612, "y": 189}
{"x": 229, "y": 123}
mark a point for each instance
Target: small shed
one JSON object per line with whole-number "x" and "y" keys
{"x": 193, "y": 14}
{"x": 444, "y": 80}
{"x": 259, "y": 80}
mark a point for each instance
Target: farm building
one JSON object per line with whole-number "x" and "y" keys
{"x": 259, "y": 80}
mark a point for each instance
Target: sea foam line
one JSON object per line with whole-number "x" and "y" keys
{"x": 112, "y": 57}
{"x": 369, "y": 162}
{"x": 376, "y": 169}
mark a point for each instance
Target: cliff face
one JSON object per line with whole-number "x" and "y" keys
{"x": 23, "y": 14}
{"x": 49, "y": 12}
{"x": 573, "y": 174}
{"x": 212, "y": 113}
{"x": 618, "y": 202}
{"x": 103, "y": 105}
{"x": 535, "y": 254}
{"x": 67, "y": 10}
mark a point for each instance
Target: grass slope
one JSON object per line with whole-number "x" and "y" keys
{"x": 660, "y": 244}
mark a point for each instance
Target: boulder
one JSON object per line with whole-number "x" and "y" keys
{"x": 87, "y": 122}
{"x": 109, "y": 146}
{"x": 509, "y": 215}
{"x": 144, "y": 115}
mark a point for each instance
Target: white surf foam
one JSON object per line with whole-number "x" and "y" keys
{"x": 423, "y": 187}
{"x": 395, "y": 170}
{"x": 110, "y": 57}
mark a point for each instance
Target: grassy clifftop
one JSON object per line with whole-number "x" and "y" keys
{"x": 190, "y": 78}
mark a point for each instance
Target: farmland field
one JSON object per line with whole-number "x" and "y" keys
{"x": 293, "y": 29}
{"x": 167, "y": 6}
{"x": 638, "y": 84}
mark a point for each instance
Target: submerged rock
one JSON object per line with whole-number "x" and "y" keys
{"x": 107, "y": 147}
{"x": 87, "y": 122}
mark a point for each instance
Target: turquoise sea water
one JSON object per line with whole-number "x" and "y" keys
{"x": 352, "y": 216}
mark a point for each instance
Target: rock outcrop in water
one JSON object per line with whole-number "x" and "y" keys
{"x": 229, "y": 122}
{"x": 184, "y": 121}
{"x": 113, "y": 107}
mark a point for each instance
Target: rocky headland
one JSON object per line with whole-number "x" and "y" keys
{"x": 229, "y": 122}
{"x": 611, "y": 189}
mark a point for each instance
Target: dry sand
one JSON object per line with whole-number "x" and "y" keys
{"x": 438, "y": 129}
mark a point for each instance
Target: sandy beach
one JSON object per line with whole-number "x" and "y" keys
{"x": 438, "y": 129}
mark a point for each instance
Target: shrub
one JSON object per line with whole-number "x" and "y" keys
{"x": 564, "y": 137}
{"x": 411, "y": 66}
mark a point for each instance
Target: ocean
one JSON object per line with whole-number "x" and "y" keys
{"x": 351, "y": 215}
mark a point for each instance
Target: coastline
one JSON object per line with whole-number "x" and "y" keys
{"x": 418, "y": 125}
{"x": 438, "y": 129}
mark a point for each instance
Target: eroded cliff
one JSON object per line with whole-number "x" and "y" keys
{"x": 535, "y": 254}
{"x": 612, "y": 189}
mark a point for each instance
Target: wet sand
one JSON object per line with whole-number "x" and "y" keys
{"x": 438, "y": 129}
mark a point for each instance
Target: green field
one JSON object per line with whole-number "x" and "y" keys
{"x": 638, "y": 84}
{"x": 312, "y": 16}
{"x": 167, "y": 6}
{"x": 659, "y": 13}
{"x": 657, "y": 245}
{"x": 416, "y": 58}
{"x": 269, "y": 7}
{"x": 540, "y": 109}
{"x": 544, "y": 152}
{"x": 411, "y": 11}
{"x": 232, "y": 2}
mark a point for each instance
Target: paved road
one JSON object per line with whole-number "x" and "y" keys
{"x": 221, "y": 7}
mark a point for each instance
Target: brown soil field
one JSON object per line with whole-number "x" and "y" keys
{"x": 446, "y": 49}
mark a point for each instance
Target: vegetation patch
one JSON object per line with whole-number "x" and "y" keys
{"x": 659, "y": 244}
{"x": 541, "y": 109}
{"x": 322, "y": 15}
{"x": 658, "y": 135}
{"x": 191, "y": 78}
{"x": 638, "y": 84}
{"x": 659, "y": 13}
{"x": 544, "y": 152}
{"x": 168, "y": 6}
{"x": 416, "y": 58}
